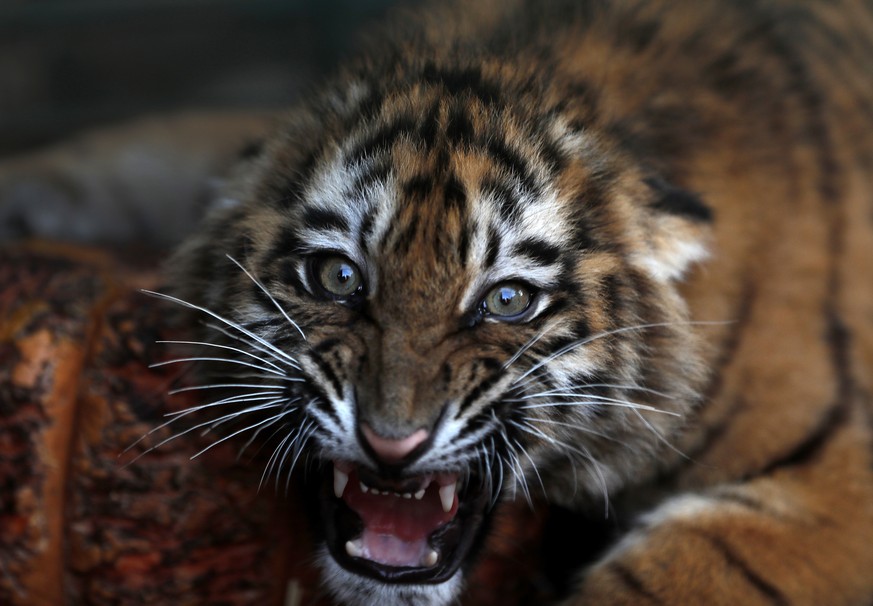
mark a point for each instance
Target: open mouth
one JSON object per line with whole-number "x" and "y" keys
{"x": 413, "y": 529}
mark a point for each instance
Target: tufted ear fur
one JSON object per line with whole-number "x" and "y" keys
{"x": 677, "y": 230}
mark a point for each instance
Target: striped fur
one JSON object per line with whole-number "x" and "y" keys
{"x": 685, "y": 186}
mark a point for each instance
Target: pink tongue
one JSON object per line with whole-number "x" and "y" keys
{"x": 396, "y": 529}
{"x": 393, "y": 551}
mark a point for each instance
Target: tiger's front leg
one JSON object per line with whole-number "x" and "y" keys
{"x": 798, "y": 532}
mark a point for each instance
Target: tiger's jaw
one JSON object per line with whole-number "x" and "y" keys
{"x": 400, "y": 532}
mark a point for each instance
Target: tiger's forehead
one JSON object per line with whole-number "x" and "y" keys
{"x": 458, "y": 191}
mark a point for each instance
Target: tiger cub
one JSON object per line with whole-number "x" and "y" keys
{"x": 616, "y": 256}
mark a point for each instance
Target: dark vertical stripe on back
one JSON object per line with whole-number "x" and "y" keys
{"x": 766, "y": 589}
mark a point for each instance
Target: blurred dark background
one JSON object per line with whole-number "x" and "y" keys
{"x": 66, "y": 65}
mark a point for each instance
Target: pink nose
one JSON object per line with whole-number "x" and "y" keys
{"x": 392, "y": 451}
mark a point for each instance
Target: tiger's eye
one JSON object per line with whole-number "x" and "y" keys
{"x": 507, "y": 300}
{"x": 339, "y": 276}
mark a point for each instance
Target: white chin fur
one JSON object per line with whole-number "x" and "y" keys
{"x": 351, "y": 589}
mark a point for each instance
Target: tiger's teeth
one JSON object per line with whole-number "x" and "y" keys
{"x": 447, "y": 496}
{"x": 340, "y": 479}
{"x": 364, "y": 488}
{"x": 354, "y": 548}
{"x": 431, "y": 558}
{"x": 419, "y": 495}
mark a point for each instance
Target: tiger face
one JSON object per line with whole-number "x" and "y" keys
{"x": 449, "y": 298}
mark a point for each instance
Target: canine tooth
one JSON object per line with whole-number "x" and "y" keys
{"x": 364, "y": 488}
{"x": 397, "y": 494}
{"x": 407, "y": 495}
{"x": 419, "y": 495}
{"x": 447, "y": 496}
{"x": 354, "y": 549}
{"x": 340, "y": 479}
{"x": 431, "y": 558}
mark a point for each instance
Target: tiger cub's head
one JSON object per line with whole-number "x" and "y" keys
{"x": 439, "y": 298}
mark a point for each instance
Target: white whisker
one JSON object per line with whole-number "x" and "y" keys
{"x": 527, "y": 345}
{"x": 269, "y": 420}
{"x": 225, "y": 347}
{"x": 579, "y": 390}
{"x": 227, "y": 322}
{"x": 224, "y": 386}
{"x": 661, "y": 438}
{"x": 254, "y": 345}
{"x": 266, "y": 292}
{"x": 584, "y": 452}
{"x": 572, "y": 426}
{"x": 589, "y": 339}
{"x": 600, "y": 402}
{"x": 226, "y": 360}
{"x": 253, "y": 396}
{"x": 532, "y": 464}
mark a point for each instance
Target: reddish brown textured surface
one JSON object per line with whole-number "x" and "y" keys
{"x": 82, "y": 524}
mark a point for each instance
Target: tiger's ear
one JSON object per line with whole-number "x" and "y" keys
{"x": 678, "y": 227}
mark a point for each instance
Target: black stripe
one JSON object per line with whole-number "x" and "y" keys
{"x": 290, "y": 277}
{"x": 377, "y": 174}
{"x": 730, "y": 346}
{"x": 583, "y": 237}
{"x": 319, "y": 219}
{"x": 464, "y": 244}
{"x": 814, "y": 443}
{"x": 292, "y": 191}
{"x": 382, "y": 139}
{"x": 459, "y": 130}
{"x": 631, "y": 581}
{"x": 366, "y": 229}
{"x": 458, "y": 81}
{"x": 484, "y": 385}
{"x": 538, "y": 250}
{"x": 322, "y": 403}
{"x": 806, "y": 88}
{"x": 455, "y": 196}
{"x": 419, "y": 187}
{"x": 493, "y": 247}
{"x": 327, "y": 371}
{"x": 403, "y": 241}
{"x": 764, "y": 587}
{"x": 553, "y": 156}
{"x": 514, "y": 163}
{"x": 429, "y": 127}
{"x": 675, "y": 201}
{"x": 287, "y": 244}
{"x": 508, "y": 205}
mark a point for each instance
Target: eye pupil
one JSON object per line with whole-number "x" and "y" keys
{"x": 507, "y": 295}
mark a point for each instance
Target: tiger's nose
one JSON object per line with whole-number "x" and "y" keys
{"x": 393, "y": 451}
